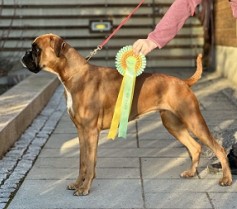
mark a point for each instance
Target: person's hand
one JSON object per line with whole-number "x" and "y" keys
{"x": 143, "y": 46}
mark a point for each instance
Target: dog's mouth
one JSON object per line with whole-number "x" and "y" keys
{"x": 30, "y": 61}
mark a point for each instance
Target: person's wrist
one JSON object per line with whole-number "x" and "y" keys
{"x": 153, "y": 43}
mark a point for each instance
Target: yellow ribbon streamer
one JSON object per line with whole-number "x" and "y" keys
{"x": 117, "y": 114}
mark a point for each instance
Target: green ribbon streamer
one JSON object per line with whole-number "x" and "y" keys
{"x": 129, "y": 84}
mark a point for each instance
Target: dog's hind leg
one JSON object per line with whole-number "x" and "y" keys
{"x": 178, "y": 129}
{"x": 195, "y": 122}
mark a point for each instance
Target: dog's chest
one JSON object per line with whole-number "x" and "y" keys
{"x": 69, "y": 102}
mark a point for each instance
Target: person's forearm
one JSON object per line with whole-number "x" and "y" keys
{"x": 173, "y": 21}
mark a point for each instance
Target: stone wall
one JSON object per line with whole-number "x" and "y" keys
{"x": 225, "y": 40}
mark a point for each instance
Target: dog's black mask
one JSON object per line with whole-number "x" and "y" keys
{"x": 31, "y": 59}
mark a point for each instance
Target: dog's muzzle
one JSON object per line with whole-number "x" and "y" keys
{"x": 28, "y": 62}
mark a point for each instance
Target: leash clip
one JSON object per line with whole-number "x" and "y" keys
{"x": 93, "y": 53}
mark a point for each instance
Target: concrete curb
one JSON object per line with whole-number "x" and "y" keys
{"x": 20, "y": 105}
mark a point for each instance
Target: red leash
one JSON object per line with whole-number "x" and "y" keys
{"x": 99, "y": 47}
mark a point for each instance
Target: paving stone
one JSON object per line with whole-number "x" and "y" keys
{"x": 186, "y": 185}
{"x": 65, "y": 129}
{"x": 4, "y": 193}
{"x": 74, "y": 163}
{"x": 34, "y": 150}
{"x": 119, "y": 152}
{"x": 118, "y": 163}
{"x": 16, "y": 177}
{"x": 217, "y": 117}
{"x": 52, "y": 174}
{"x": 57, "y": 141}
{"x": 218, "y": 104}
{"x": 71, "y": 140}
{"x": 116, "y": 193}
{"x": 168, "y": 168}
{"x": 23, "y": 166}
{"x": 160, "y": 143}
{"x": 15, "y": 153}
{"x": 176, "y": 200}
{"x": 2, "y": 205}
{"x": 101, "y": 173}
{"x": 47, "y": 111}
{"x": 3, "y": 176}
{"x": 129, "y": 142}
{"x": 57, "y": 162}
{"x": 24, "y": 141}
{"x": 40, "y": 141}
{"x": 224, "y": 200}
{"x": 4, "y": 200}
{"x": 29, "y": 134}
{"x": 7, "y": 164}
{"x": 152, "y": 132}
{"x": 29, "y": 156}
{"x": 39, "y": 123}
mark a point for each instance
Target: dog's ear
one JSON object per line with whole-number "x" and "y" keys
{"x": 58, "y": 45}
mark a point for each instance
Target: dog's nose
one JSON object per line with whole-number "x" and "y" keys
{"x": 23, "y": 64}
{"x": 25, "y": 57}
{"x": 28, "y": 62}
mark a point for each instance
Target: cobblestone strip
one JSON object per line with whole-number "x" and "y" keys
{"x": 18, "y": 161}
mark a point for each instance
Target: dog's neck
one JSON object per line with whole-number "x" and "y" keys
{"x": 79, "y": 68}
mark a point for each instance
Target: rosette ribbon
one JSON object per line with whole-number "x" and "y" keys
{"x": 129, "y": 65}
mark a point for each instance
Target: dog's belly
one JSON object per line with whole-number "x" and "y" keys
{"x": 136, "y": 111}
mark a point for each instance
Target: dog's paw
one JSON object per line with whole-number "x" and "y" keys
{"x": 225, "y": 181}
{"x": 81, "y": 192}
{"x": 188, "y": 174}
{"x": 72, "y": 186}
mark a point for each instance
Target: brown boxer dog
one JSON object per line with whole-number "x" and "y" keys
{"x": 91, "y": 94}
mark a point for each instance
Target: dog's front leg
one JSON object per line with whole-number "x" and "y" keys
{"x": 82, "y": 165}
{"x": 87, "y": 161}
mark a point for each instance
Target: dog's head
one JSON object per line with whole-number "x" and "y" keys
{"x": 47, "y": 52}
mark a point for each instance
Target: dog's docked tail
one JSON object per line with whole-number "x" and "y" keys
{"x": 197, "y": 75}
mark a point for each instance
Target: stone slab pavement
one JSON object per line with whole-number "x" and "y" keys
{"x": 140, "y": 172}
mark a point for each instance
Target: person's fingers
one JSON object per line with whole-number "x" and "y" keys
{"x": 144, "y": 49}
{"x": 137, "y": 46}
{"x": 143, "y": 46}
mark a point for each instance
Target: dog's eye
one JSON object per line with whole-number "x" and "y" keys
{"x": 38, "y": 50}
{"x": 35, "y": 49}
